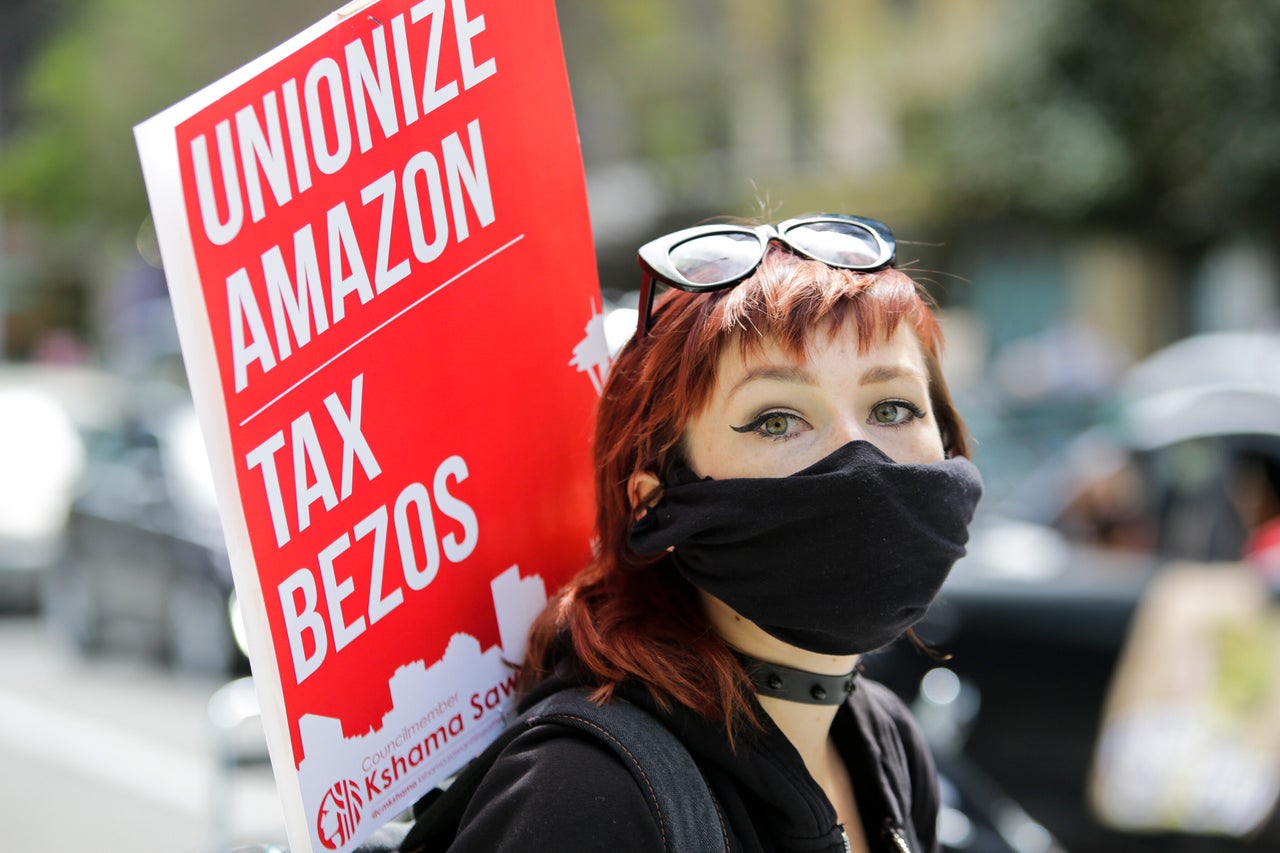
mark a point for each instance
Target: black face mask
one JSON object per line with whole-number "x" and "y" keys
{"x": 840, "y": 558}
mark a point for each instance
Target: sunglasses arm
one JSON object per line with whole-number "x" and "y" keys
{"x": 646, "y": 303}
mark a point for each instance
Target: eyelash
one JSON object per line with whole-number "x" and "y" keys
{"x": 756, "y": 426}
{"x": 916, "y": 411}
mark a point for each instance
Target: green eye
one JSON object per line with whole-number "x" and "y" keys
{"x": 776, "y": 425}
{"x": 895, "y": 413}
{"x": 886, "y": 413}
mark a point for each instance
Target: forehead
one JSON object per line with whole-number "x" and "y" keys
{"x": 827, "y": 345}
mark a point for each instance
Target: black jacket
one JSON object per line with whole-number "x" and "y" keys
{"x": 554, "y": 790}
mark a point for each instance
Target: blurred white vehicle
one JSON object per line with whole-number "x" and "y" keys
{"x": 144, "y": 563}
{"x": 47, "y": 415}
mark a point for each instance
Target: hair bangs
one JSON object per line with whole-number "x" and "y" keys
{"x": 789, "y": 297}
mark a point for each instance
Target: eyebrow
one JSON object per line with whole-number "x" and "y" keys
{"x": 888, "y": 373}
{"x": 801, "y": 376}
{"x": 781, "y": 373}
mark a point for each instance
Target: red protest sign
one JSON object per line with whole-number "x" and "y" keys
{"x": 379, "y": 256}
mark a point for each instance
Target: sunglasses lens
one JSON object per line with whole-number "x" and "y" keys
{"x": 716, "y": 258}
{"x": 844, "y": 244}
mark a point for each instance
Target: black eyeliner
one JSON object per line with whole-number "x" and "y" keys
{"x": 757, "y": 423}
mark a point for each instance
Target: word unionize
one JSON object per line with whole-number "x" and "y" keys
{"x": 327, "y": 118}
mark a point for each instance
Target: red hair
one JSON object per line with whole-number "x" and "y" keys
{"x": 633, "y": 616}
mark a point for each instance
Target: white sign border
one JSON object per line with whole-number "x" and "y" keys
{"x": 156, "y": 140}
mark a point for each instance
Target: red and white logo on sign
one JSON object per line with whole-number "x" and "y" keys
{"x": 339, "y": 814}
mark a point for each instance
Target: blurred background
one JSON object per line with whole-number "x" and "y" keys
{"x": 1088, "y": 187}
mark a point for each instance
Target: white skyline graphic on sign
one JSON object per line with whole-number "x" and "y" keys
{"x": 441, "y": 716}
{"x": 591, "y": 355}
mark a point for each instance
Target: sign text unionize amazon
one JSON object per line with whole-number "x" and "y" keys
{"x": 381, "y": 264}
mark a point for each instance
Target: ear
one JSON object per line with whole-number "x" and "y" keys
{"x": 644, "y": 489}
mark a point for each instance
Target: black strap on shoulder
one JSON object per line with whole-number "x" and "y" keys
{"x": 438, "y": 815}
{"x": 687, "y": 814}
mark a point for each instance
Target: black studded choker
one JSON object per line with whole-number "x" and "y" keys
{"x": 798, "y": 685}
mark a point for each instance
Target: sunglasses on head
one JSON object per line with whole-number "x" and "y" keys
{"x": 715, "y": 257}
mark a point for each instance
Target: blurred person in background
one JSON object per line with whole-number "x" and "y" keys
{"x": 1257, "y": 500}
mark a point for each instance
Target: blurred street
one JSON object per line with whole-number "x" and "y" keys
{"x": 114, "y": 754}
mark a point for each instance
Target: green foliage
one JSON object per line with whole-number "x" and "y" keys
{"x": 72, "y": 159}
{"x": 1159, "y": 117}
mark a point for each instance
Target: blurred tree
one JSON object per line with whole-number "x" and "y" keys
{"x": 70, "y": 159}
{"x": 1160, "y": 120}
{"x": 22, "y": 23}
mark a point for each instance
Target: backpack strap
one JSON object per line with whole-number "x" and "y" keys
{"x": 688, "y": 817}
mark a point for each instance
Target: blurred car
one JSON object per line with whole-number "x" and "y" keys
{"x": 47, "y": 415}
{"x": 144, "y": 563}
{"x": 1186, "y": 467}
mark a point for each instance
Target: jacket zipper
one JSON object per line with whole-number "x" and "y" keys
{"x": 895, "y": 838}
{"x": 889, "y": 831}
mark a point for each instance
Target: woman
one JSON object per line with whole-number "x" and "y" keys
{"x": 782, "y": 487}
